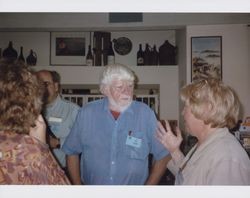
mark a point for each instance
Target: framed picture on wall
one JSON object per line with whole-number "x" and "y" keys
{"x": 206, "y": 57}
{"x": 68, "y": 48}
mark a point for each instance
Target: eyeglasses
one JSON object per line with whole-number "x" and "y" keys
{"x": 47, "y": 83}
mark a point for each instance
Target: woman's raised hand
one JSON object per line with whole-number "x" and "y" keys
{"x": 168, "y": 139}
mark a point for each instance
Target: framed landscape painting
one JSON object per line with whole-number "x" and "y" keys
{"x": 68, "y": 48}
{"x": 206, "y": 57}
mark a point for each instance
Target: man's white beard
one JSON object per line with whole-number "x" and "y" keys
{"x": 116, "y": 107}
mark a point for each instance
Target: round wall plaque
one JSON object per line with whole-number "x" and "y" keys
{"x": 122, "y": 45}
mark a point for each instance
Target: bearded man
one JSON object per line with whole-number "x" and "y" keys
{"x": 114, "y": 136}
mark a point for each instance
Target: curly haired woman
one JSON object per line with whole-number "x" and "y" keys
{"x": 25, "y": 157}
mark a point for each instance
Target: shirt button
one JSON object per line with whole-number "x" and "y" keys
{"x": 111, "y": 178}
{"x": 112, "y": 162}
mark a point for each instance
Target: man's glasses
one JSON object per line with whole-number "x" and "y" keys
{"x": 47, "y": 83}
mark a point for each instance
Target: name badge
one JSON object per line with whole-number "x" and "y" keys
{"x": 132, "y": 141}
{"x": 55, "y": 119}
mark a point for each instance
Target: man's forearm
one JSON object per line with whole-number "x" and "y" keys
{"x": 73, "y": 164}
{"x": 158, "y": 169}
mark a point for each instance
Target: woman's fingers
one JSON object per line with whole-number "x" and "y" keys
{"x": 178, "y": 132}
{"x": 167, "y": 138}
{"x": 167, "y": 125}
{"x": 160, "y": 128}
{"x": 164, "y": 127}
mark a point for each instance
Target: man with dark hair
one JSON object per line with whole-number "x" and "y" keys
{"x": 55, "y": 76}
{"x": 60, "y": 114}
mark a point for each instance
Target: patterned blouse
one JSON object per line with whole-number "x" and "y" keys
{"x": 26, "y": 160}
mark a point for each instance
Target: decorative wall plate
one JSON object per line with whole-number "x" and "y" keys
{"x": 122, "y": 45}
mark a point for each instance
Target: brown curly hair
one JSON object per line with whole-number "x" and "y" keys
{"x": 20, "y": 97}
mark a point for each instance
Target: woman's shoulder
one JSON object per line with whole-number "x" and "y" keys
{"x": 21, "y": 143}
{"x": 29, "y": 157}
{"x": 229, "y": 148}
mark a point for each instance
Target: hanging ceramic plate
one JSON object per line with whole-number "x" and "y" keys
{"x": 122, "y": 45}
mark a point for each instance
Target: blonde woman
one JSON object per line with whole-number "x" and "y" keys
{"x": 211, "y": 108}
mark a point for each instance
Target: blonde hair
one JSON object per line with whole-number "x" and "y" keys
{"x": 117, "y": 71}
{"x": 213, "y": 102}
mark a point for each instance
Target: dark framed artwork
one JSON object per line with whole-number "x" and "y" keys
{"x": 206, "y": 57}
{"x": 68, "y": 48}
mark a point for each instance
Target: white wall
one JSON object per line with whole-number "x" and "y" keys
{"x": 235, "y": 57}
{"x": 182, "y": 63}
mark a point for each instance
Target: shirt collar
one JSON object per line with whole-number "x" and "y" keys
{"x": 54, "y": 102}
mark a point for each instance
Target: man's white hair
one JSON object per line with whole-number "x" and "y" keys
{"x": 117, "y": 71}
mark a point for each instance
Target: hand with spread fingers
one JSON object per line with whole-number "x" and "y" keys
{"x": 168, "y": 138}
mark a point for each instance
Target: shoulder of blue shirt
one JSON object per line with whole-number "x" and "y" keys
{"x": 70, "y": 103}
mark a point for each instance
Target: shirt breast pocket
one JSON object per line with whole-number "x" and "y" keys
{"x": 137, "y": 152}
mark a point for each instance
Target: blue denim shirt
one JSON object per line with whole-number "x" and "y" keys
{"x": 101, "y": 141}
{"x": 60, "y": 116}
